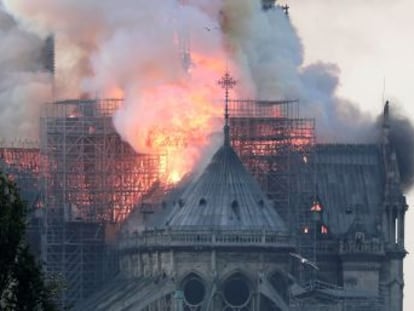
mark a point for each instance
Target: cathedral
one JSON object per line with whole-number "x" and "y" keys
{"x": 222, "y": 241}
{"x": 275, "y": 221}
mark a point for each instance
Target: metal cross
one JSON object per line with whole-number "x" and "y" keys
{"x": 227, "y": 83}
{"x": 285, "y": 9}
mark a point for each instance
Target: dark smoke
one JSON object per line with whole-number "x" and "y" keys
{"x": 402, "y": 140}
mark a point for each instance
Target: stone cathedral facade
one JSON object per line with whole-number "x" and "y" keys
{"x": 217, "y": 242}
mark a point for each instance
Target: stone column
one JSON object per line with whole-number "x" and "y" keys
{"x": 401, "y": 226}
{"x": 396, "y": 284}
{"x": 392, "y": 225}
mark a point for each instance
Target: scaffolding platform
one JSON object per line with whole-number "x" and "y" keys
{"x": 276, "y": 145}
{"x": 92, "y": 181}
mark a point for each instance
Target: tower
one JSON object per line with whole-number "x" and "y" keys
{"x": 394, "y": 208}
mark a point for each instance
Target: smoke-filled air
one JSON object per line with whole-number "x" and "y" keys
{"x": 24, "y": 83}
{"x": 164, "y": 58}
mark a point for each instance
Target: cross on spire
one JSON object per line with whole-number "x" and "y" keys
{"x": 227, "y": 83}
{"x": 285, "y": 9}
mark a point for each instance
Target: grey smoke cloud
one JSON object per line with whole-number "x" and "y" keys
{"x": 24, "y": 83}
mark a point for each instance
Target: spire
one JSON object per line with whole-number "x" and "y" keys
{"x": 386, "y": 125}
{"x": 227, "y": 83}
{"x": 387, "y": 114}
{"x": 389, "y": 154}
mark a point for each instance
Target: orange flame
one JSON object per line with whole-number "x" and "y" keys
{"x": 175, "y": 118}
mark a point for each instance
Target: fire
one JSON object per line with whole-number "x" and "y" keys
{"x": 180, "y": 143}
{"x": 174, "y": 177}
{"x": 21, "y": 158}
{"x": 316, "y": 207}
{"x": 114, "y": 92}
{"x": 175, "y": 116}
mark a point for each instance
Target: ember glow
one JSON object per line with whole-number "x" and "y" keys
{"x": 21, "y": 158}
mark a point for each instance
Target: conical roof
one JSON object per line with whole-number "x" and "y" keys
{"x": 225, "y": 196}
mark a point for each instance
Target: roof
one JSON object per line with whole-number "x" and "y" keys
{"x": 225, "y": 196}
{"x": 350, "y": 185}
{"x": 128, "y": 294}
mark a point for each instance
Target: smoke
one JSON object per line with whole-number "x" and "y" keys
{"x": 402, "y": 140}
{"x": 24, "y": 84}
{"x": 270, "y": 53}
{"x": 164, "y": 58}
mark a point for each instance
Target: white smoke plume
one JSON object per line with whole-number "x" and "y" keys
{"x": 135, "y": 49}
{"x": 24, "y": 83}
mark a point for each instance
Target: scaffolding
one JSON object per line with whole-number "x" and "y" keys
{"x": 92, "y": 181}
{"x": 276, "y": 146}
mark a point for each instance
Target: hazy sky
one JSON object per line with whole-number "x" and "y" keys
{"x": 372, "y": 41}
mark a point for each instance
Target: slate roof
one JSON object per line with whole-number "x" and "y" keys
{"x": 225, "y": 196}
{"x": 127, "y": 294}
{"x": 350, "y": 185}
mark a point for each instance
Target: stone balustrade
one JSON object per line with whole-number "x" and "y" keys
{"x": 158, "y": 238}
{"x": 371, "y": 246}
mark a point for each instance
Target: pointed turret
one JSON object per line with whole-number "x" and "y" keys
{"x": 386, "y": 113}
{"x": 386, "y": 124}
{"x": 393, "y": 217}
{"x": 389, "y": 154}
{"x": 395, "y": 206}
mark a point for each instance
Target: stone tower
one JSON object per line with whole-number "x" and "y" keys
{"x": 394, "y": 208}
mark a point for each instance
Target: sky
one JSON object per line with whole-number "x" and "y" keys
{"x": 372, "y": 43}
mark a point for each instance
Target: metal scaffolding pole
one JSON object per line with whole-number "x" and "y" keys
{"x": 277, "y": 146}
{"x": 92, "y": 181}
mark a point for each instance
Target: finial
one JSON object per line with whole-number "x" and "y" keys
{"x": 227, "y": 83}
{"x": 285, "y": 9}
